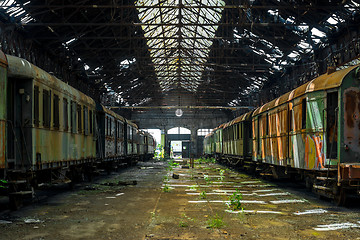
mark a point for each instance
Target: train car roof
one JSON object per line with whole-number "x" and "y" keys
{"x": 210, "y": 133}
{"x": 3, "y": 60}
{"x": 131, "y": 123}
{"x": 244, "y": 117}
{"x": 323, "y": 82}
{"x": 108, "y": 111}
{"x": 21, "y": 68}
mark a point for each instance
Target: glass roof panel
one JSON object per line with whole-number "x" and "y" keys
{"x": 174, "y": 29}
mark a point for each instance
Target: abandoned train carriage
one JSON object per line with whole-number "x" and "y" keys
{"x": 236, "y": 139}
{"x": 50, "y": 124}
{"x": 209, "y": 144}
{"x": 132, "y": 140}
{"x": 111, "y": 129}
{"x": 51, "y": 132}
{"x": 312, "y": 131}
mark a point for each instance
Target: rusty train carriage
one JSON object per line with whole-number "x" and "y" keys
{"x": 111, "y": 127}
{"x": 235, "y": 135}
{"x": 51, "y": 132}
{"x": 51, "y": 122}
{"x": 312, "y": 132}
{"x": 132, "y": 136}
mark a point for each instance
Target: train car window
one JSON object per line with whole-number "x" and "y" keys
{"x": 303, "y": 114}
{"x": 291, "y": 128}
{"x": 237, "y": 131}
{"x": 111, "y": 127}
{"x": 56, "y": 112}
{"x": 267, "y": 124}
{"x": 66, "y": 114}
{"x": 108, "y": 126}
{"x": 73, "y": 117}
{"x": 86, "y": 120}
{"x": 79, "y": 115}
{"x": 105, "y": 126}
{"x": 91, "y": 121}
{"x": 36, "y": 106}
{"x": 258, "y": 134}
{"x": 241, "y": 130}
{"x": 121, "y": 130}
{"x": 46, "y": 108}
{"x": 249, "y": 129}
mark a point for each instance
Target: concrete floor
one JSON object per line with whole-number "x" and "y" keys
{"x": 191, "y": 207}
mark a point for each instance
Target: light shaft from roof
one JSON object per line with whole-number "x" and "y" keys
{"x": 182, "y": 47}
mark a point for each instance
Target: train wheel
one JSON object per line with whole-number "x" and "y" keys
{"x": 340, "y": 198}
{"x": 309, "y": 183}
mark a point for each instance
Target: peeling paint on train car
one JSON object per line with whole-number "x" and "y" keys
{"x": 351, "y": 128}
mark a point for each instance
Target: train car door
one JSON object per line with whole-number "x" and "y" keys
{"x": 331, "y": 125}
{"x": 19, "y": 112}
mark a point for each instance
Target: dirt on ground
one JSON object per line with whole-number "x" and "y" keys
{"x": 169, "y": 200}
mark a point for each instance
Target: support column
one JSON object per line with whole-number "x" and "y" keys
{"x": 194, "y": 143}
{"x": 164, "y": 142}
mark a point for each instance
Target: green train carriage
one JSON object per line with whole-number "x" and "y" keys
{"x": 50, "y": 124}
{"x": 237, "y": 144}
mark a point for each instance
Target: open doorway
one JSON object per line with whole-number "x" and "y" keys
{"x": 179, "y": 142}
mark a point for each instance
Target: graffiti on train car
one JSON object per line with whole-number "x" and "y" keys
{"x": 314, "y": 152}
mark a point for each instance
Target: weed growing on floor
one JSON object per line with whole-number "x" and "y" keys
{"x": 193, "y": 187}
{"x": 207, "y": 179}
{"x": 235, "y": 201}
{"x": 203, "y": 195}
{"x": 173, "y": 164}
{"x": 165, "y": 178}
{"x": 185, "y": 221}
{"x": 206, "y": 160}
{"x": 221, "y": 172}
{"x": 215, "y": 222}
{"x": 183, "y": 224}
{"x": 166, "y": 188}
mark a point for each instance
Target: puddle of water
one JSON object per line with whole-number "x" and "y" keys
{"x": 288, "y": 201}
{"x": 312, "y": 211}
{"x": 228, "y": 190}
{"x": 253, "y": 211}
{"x": 274, "y": 194}
{"x": 260, "y": 185}
{"x": 223, "y": 182}
{"x": 221, "y": 201}
{"x": 266, "y": 190}
{"x": 336, "y": 226}
{"x": 251, "y": 182}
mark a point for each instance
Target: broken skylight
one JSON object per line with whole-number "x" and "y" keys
{"x": 179, "y": 35}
